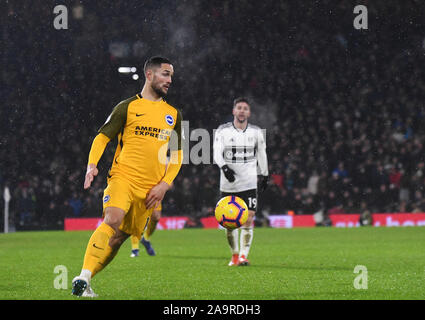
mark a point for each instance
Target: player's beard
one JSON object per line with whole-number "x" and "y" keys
{"x": 241, "y": 120}
{"x": 158, "y": 90}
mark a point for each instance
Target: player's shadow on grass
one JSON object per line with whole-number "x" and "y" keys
{"x": 293, "y": 267}
{"x": 262, "y": 265}
{"x": 196, "y": 257}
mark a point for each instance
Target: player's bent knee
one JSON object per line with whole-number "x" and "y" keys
{"x": 156, "y": 215}
{"x": 114, "y": 217}
{"x": 250, "y": 220}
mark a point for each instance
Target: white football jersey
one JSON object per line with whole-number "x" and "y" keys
{"x": 241, "y": 151}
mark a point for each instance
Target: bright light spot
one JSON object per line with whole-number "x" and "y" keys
{"x": 124, "y": 69}
{"x": 135, "y": 76}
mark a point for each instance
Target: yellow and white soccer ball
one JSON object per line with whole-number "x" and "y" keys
{"x": 231, "y": 212}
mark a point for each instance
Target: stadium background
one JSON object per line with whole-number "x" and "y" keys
{"x": 343, "y": 108}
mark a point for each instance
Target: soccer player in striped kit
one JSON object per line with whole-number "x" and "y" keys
{"x": 240, "y": 152}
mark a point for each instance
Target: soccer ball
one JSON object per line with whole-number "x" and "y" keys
{"x": 231, "y": 212}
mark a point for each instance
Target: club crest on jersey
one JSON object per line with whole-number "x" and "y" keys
{"x": 106, "y": 198}
{"x": 228, "y": 155}
{"x": 169, "y": 119}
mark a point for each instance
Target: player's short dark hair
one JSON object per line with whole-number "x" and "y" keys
{"x": 155, "y": 61}
{"x": 240, "y": 99}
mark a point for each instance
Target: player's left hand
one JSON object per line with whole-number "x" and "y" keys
{"x": 156, "y": 194}
{"x": 263, "y": 182}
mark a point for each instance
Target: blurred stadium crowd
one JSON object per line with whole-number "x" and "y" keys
{"x": 343, "y": 108}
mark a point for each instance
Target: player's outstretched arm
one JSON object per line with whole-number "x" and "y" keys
{"x": 218, "y": 148}
{"x": 97, "y": 148}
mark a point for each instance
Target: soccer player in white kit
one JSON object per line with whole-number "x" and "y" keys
{"x": 240, "y": 152}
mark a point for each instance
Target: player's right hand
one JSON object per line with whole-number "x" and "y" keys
{"x": 90, "y": 174}
{"x": 228, "y": 173}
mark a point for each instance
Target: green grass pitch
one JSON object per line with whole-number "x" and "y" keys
{"x": 191, "y": 264}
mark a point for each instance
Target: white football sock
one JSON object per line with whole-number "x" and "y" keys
{"x": 86, "y": 274}
{"x": 232, "y": 239}
{"x": 247, "y": 233}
